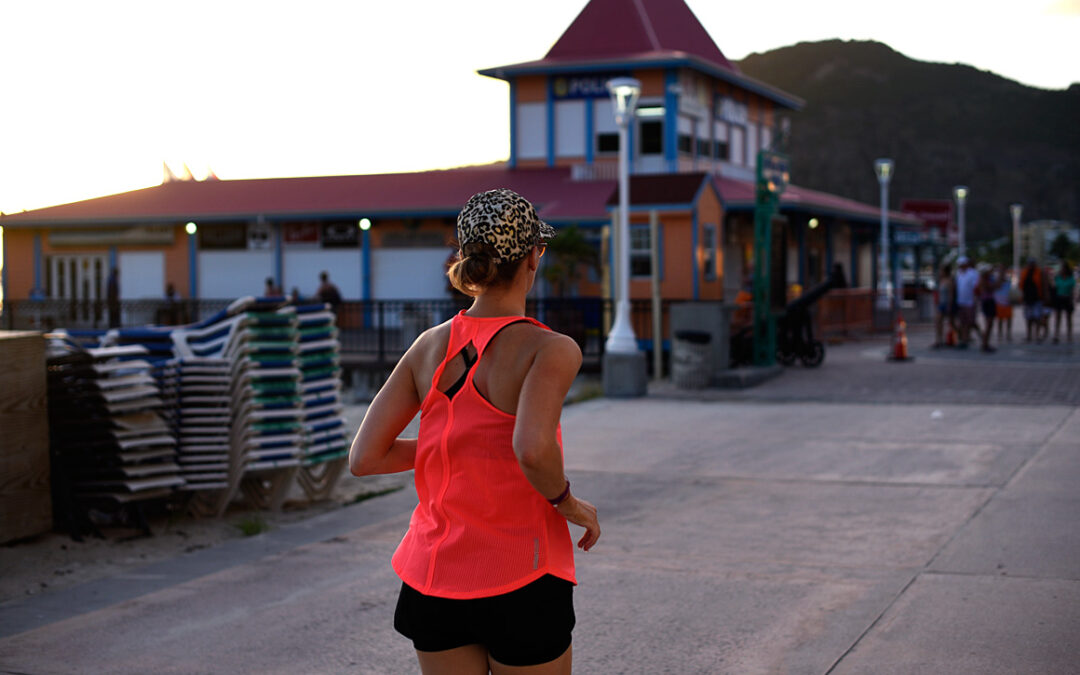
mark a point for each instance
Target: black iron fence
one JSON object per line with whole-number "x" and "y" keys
{"x": 373, "y": 334}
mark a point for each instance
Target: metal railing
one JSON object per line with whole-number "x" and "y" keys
{"x": 373, "y": 334}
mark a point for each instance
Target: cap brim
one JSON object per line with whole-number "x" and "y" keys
{"x": 544, "y": 231}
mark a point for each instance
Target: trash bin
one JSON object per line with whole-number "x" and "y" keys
{"x": 691, "y": 359}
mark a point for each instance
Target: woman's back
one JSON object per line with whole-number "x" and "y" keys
{"x": 502, "y": 371}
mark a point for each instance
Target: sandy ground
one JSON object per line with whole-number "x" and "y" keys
{"x": 55, "y": 560}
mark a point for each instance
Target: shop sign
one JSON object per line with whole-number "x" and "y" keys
{"x": 582, "y": 86}
{"x": 300, "y": 233}
{"x": 260, "y": 236}
{"x": 732, "y": 111}
{"x": 908, "y": 237}
{"x": 937, "y": 216}
{"x": 413, "y": 239}
{"x": 153, "y": 235}
{"x": 340, "y": 235}
{"x": 223, "y": 236}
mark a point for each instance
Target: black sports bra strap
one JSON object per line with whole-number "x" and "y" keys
{"x": 470, "y": 361}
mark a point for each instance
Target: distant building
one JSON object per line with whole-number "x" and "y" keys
{"x": 1038, "y": 236}
{"x": 693, "y": 149}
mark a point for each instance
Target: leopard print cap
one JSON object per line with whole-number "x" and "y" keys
{"x": 504, "y": 219}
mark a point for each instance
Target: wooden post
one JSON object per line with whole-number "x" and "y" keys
{"x": 25, "y": 497}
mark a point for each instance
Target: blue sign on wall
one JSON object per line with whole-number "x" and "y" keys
{"x": 582, "y": 86}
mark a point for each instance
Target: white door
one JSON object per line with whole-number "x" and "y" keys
{"x": 409, "y": 273}
{"x": 142, "y": 275}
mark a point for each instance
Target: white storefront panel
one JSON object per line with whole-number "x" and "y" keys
{"x": 409, "y": 273}
{"x": 531, "y": 131}
{"x": 303, "y": 265}
{"x": 225, "y": 275}
{"x": 142, "y": 275}
{"x": 570, "y": 128}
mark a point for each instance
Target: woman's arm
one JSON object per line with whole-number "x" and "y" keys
{"x": 536, "y": 441}
{"x": 376, "y": 448}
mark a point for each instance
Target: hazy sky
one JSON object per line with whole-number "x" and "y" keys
{"x": 94, "y": 96}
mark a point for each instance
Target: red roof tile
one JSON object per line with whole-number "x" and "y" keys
{"x": 740, "y": 193}
{"x": 669, "y": 188}
{"x": 619, "y": 28}
{"x": 430, "y": 192}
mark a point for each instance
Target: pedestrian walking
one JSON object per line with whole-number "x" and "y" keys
{"x": 328, "y": 293}
{"x": 487, "y": 564}
{"x": 967, "y": 277}
{"x": 271, "y": 289}
{"x": 1064, "y": 287}
{"x": 984, "y": 294}
{"x": 1003, "y": 298}
{"x": 112, "y": 297}
{"x": 1031, "y": 292}
{"x": 946, "y": 306}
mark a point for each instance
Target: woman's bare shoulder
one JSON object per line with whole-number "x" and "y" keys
{"x": 432, "y": 341}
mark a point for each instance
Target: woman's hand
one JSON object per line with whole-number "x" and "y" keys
{"x": 583, "y": 514}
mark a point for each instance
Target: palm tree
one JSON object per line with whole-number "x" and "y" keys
{"x": 568, "y": 252}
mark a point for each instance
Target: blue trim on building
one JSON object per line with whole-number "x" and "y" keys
{"x": 645, "y": 208}
{"x": 365, "y": 260}
{"x": 38, "y": 291}
{"x": 853, "y": 254}
{"x": 279, "y": 257}
{"x": 875, "y": 251}
{"x": 828, "y": 246}
{"x": 694, "y": 252}
{"x": 550, "y": 106}
{"x": 513, "y": 123}
{"x": 3, "y": 270}
{"x": 590, "y": 130}
{"x": 671, "y": 119}
{"x": 193, "y": 267}
{"x": 801, "y": 239}
{"x": 749, "y": 84}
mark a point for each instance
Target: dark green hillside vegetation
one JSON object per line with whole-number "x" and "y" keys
{"x": 943, "y": 124}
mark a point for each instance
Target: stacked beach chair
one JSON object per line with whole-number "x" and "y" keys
{"x": 238, "y": 404}
{"x": 111, "y": 448}
{"x": 326, "y": 438}
{"x": 241, "y": 404}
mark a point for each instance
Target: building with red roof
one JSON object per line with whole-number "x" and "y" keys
{"x": 693, "y": 146}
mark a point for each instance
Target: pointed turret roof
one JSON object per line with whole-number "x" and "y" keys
{"x": 619, "y": 28}
{"x": 611, "y": 35}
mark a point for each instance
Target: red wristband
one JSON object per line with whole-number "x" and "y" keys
{"x": 562, "y": 496}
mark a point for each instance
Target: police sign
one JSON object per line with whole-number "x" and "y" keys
{"x": 582, "y": 86}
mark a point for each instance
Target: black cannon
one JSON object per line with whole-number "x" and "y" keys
{"x": 794, "y": 329}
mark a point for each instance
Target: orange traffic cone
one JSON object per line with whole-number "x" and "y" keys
{"x": 899, "y": 350}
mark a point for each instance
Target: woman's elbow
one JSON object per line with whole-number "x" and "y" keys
{"x": 359, "y": 464}
{"x": 533, "y": 454}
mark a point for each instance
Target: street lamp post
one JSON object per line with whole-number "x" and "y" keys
{"x": 961, "y": 193}
{"x": 621, "y": 340}
{"x": 193, "y": 261}
{"x": 1016, "y": 210}
{"x": 624, "y": 365}
{"x": 884, "y": 170}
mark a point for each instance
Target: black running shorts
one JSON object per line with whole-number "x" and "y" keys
{"x": 525, "y": 627}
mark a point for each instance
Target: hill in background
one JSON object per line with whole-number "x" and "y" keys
{"x": 942, "y": 124}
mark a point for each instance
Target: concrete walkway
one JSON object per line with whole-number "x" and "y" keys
{"x": 762, "y": 532}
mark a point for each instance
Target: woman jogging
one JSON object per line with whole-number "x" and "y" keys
{"x": 487, "y": 564}
{"x": 1064, "y": 287}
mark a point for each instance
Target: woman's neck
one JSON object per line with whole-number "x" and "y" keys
{"x": 497, "y": 303}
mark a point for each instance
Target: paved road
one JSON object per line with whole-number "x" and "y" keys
{"x": 774, "y": 531}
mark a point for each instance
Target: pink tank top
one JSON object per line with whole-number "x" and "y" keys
{"x": 480, "y": 528}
